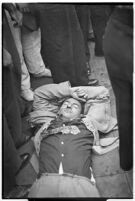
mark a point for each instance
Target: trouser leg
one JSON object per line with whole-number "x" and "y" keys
{"x": 99, "y": 17}
{"x": 25, "y": 77}
{"x": 118, "y": 53}
{"x": 11, "y": 159}
{"x": 83, "y": 17}
{"x": 123, "y": 94}
{"x": 11, "y": 106}
{"x": 31, "y": 43}
{"x": 63, "y": 44}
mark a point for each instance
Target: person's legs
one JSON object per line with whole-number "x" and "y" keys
{"x": 62, "y": 43}
{"x": 11, "y": 106}
{"x": 83, "y": 17}
{"x": 57, "y": 50}
{"x": 124, "y": 108}
{"x": 67, "y": 185}
{"x": 11, "y": 159}
{"x": 118, "y": 53}
{"x": 31, "y": 44}
{"x": 25, "y": 77}
{"x": 99, "y": 17}
{"x": 78, "y": 45}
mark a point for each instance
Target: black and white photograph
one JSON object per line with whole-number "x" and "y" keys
{"x": 67, "y": 100}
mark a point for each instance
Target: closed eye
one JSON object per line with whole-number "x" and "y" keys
{"x": 75, "y": 106}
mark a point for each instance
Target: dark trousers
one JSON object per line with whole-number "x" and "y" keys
{"x": 83, "y": 17}
{"x": 10, "y": 105}
{"x": 99, "y": 17}
{"x": 63, "y": 46}
{"x": 11, "y": 84}
{"x": 9, "y": 45}
{"x": 118, "y": 51}
{"x": 11, "y": 159}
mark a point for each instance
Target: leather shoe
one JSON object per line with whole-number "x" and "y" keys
{"x": 93, "y": 82}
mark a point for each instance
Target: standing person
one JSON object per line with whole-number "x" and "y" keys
{"x": 11, "y": 159}
{"x": 28, "y": 43}
{"x": 83, "y": 15}
{"x": 11, "y": 83}
{"x": 118, "y": 51}
{"x": 12, "y": 137}
{"x": 62, "y": 43}
{"x": 99, "y": 14}
{"x": 26, "y": 91}
{"x": 31, "y": 44}
{"x": 82, "y": 11}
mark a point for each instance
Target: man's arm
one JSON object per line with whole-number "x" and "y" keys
{"x": 89, "y": 92}
{"x": 47, "y": 100}
{"x": 97, "y": 107}
{"x": 14, "y": 13}
{"x": 6, "y": 58}
{"x": 48, "y": 96}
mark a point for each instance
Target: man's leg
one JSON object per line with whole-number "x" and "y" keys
{"x": 25, "y": 77}
{"x": 99, "y": 17}
{"x": 31, "y": 43}
{"x": 120, "y": 68}
{"x": 11, "y": 159}
{"x": 83, "y": 17}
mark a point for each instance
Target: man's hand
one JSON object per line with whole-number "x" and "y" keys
{"x": 16, "y": 16}
{"x": 7, "y": 59}
{"x": 79, "y": 94}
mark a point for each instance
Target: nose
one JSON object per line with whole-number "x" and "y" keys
{"x": 69, "y": 105}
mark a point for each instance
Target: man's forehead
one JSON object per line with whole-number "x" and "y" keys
{"x": 72, "y": 100}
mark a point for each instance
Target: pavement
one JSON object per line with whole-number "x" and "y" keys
{"x": 111, "y": 180}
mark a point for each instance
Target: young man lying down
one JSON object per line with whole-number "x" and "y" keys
{"x": 71, "y": 118}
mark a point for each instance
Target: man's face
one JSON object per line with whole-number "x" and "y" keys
{"x": 70, "y": 109}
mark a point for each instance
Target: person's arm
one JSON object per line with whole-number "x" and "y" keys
{"x": 97, "y": 107}
{"x": 89, "y": 92}
{"x": 48, "y": 96}
{"x": 15, "y": 14}
{"x": 46, "y": 106}
{"x": 6, "y": 58}
{"x": 47, "y": 100}
{"x": 53, "y": 94}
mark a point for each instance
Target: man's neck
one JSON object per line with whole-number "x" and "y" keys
{"x": 67, "y": 120}
{"x": 64, "y": 119}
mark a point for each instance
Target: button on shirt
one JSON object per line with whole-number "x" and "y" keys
{"x": 73, "y": 150}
